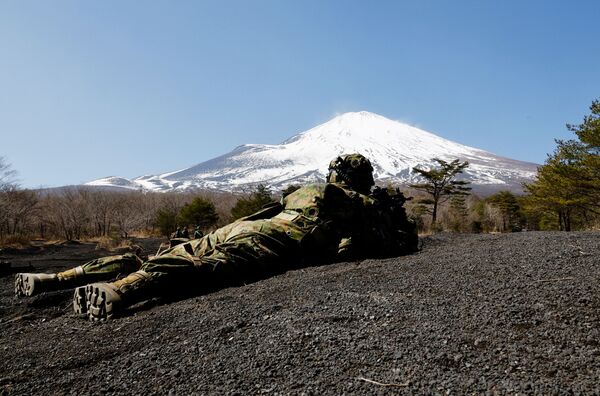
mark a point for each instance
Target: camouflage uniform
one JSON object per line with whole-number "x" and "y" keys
{"x": 314, "y": 224}
{"x": 317, "y": 223}
{"x": 111, "y": 267}
{"x": 309, "y": 224}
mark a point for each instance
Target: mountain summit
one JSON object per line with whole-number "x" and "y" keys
{"x": 394, "y": 148}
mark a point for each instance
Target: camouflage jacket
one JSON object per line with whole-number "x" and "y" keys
{"x": 345, "y": 224}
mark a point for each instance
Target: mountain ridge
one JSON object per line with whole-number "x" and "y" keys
{"x": 393, "y": 147}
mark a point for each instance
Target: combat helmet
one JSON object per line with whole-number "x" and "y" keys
{"x": 355, "y": 170}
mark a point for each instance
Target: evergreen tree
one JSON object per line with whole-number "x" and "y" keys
{"x": 458, "y": 212}
{"x": 458, "y": 206}
{"x": 252, "y": 204}
{"x": 557, "y": 189}
{"x": 166, "y": 220}
{"x": 200, "y": 212}
{"x": 587, "y": 149}
{"x": 506, "y": 203}
{"x": 568, "y": 184}
{"x": 440, "y": 184}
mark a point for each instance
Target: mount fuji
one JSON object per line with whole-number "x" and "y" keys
{"x": 394, "y": 148}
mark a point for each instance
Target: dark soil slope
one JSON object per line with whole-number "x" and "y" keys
{"x": 516, "y": 313}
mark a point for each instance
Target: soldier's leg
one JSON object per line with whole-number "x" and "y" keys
{"x": 156, "y": 277}
{"x": 174, "y": 268}
{"x": 248, "y": 251}
{"x": 99, "y": 270}
{"x": 105, "y": 268}
{"x": 249, "y": 256}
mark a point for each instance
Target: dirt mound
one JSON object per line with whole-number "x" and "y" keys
{"x": 514, "y": 313}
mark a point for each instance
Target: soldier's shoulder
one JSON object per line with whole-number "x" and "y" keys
{"x": 309, "y": 189}
{"x": 321, "y": 189}
{"x": 338, "y": 188}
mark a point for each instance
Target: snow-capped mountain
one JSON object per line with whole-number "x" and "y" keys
{"x": 394, "y": 148}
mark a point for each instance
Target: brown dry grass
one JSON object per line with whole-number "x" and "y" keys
{"x": 110, "y": 244}
{"x": 15, "y": 241}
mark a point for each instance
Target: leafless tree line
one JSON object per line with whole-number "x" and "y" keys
{"x": 79, "y": 212}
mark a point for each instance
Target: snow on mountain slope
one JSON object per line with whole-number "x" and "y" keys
{"x": 394, "y": 148}
{"x": 114, "y": 181}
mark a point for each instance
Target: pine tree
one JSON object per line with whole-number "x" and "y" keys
{"x": 506, "y": 203}
{"x": 200, "y": 212}
{"x": 557, "y": 189}
{"x": 587, "y": 149}
{"x": 440, "y": 184}
{"x": 166, "y": 220}
{"x": 458, "y": 212}
{"x": 568, "y": 184}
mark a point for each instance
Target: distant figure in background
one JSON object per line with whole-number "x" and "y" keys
{"x": 198, "y": 233}
{"x": 185, "y": 233}
{"x": 177, "y": 233}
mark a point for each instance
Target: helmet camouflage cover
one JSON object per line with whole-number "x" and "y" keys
{"x": 353, "y": 169}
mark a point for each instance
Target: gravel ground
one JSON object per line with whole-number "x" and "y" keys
{"x": 481, "y": 314}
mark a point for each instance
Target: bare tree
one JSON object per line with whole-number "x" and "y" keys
{"x": 11, "y": 210}
{"x": 68, "y": 213}
{"x": 19, "y": 210}
{"x": 76, "y": 213}
{"x": 7, "y": 176}
{"x": 129, "y": 214}
{"x": 101, "y": 211}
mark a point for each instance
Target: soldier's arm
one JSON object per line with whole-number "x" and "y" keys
{"x": 384, "y": 229}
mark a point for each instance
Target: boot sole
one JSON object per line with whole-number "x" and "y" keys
{"x": 103, "y": 302}
{"x": 80, "y": 301}
{"x": 25, "y": 284}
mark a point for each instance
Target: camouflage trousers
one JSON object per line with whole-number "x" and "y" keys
{"x": 240, "y": 252}
{"x": 111, "y": 267}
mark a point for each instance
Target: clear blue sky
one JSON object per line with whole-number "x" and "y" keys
{"x": 92, "y": 89}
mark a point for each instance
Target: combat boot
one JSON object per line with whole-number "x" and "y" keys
{"x": 31, "y": 284}
{"x": 108, "y": 300}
